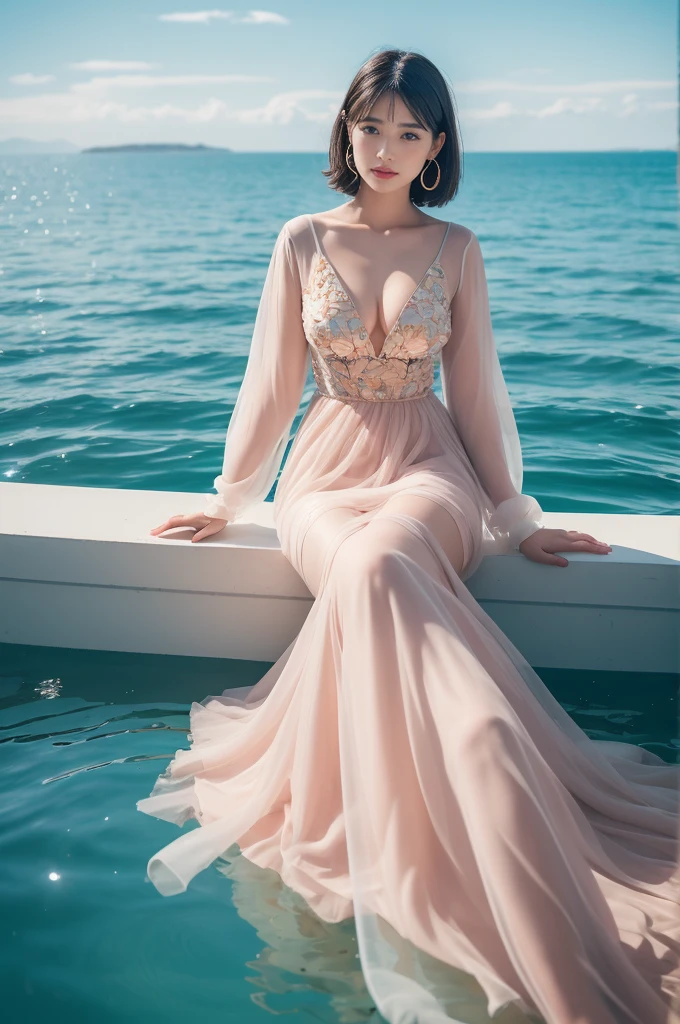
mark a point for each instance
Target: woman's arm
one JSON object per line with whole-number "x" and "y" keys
{"x": 477, "y": 400}
{"x": 269, "y": 397}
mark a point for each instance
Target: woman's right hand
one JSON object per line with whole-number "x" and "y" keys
{"x": 543, "y": 545}
{"x": 204, "y": 525}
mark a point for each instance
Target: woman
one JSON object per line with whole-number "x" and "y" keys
{"x": 402, "y": 762}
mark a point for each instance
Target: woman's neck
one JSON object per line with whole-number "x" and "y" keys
{"x": 383, "y": 212}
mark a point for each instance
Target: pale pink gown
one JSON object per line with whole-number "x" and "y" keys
{"x": 402, "y": 762}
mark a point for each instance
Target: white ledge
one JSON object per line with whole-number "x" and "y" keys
{"x": 79, "y": 569}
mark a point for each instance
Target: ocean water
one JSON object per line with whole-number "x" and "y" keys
{"x": 126, "y": 300}
{"x": 85, "y": 938}
{"x": 129, "y": 284}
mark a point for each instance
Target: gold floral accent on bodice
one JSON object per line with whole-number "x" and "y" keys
{"x": 344, "y": 361}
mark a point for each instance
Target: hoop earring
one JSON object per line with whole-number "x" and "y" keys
{"x": 352, "y": 169}
{"x": 429, "y": 188}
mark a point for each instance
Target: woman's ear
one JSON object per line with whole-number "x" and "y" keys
{"x": 437, "y": 145}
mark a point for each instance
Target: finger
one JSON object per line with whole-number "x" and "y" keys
{"x": 214, "y": 526}
{"x": 197, "y": 520}
{"x": 168, "y": 524}
{"x": 577, "y": 543}
{"x": 576, "y": 535}
{"x": 593, "y": 540}
{"x": 160, "y": 529}
{"x": 202, "y": 535}
{"x": 596, "y": 547}
{"x": 556, "y": 560}
{"x": 549, "y": 558}
{"x": 165, "y": 527}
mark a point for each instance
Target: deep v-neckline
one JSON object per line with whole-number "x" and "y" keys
{"x": 346, "y": 294}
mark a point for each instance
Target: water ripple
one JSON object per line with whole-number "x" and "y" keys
{"x": 126, "y": 329}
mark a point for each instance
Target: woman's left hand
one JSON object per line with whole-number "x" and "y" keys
{"x": 541, "y": 545}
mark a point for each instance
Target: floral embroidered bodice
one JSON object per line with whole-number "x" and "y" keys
{"x": 344, "y": 361}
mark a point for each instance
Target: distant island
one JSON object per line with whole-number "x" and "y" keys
{"x": 152, "y": 147}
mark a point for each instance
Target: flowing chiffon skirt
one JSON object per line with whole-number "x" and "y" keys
{"x": 403, "y": 764}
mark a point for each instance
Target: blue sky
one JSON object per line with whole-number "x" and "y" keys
{"x": 527, "y": 74}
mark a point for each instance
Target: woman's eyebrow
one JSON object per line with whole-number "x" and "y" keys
{"x": 404, "y": 124}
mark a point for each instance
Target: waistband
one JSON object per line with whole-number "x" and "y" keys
{"x": 367, "y": 401}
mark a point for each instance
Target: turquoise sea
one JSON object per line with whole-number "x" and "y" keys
{"x": 128, "y": 287}
{"x": 130, "y": 283}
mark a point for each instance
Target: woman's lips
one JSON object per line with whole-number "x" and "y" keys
{"x": 381, "y": 173}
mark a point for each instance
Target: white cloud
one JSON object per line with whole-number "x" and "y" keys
{"x": 284, "y": 107}
{"x": 498, "y": 111}
{"x": 205, "y": 17}
{"x": 28, "y": 78}
{"x": 578, "y": 99}
{"x": 95, "y": 85}
{"x": 198, "y": 17}
{"x": 568, "y": 105}
{"x": 98, "y": 98}
{"x": 113, "y": 65}
{"x": 662, "y": 105}
{"x": 483, "y": 85}
{"x": 630, "y": 104}
{"x": 263, "y": 18}
{"x": 72, "y": 108}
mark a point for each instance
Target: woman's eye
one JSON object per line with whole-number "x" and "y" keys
{"x": 371, "y": 128}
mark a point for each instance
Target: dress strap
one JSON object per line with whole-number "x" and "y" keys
{"x": 441, "y": 247}
{"x": 316, "y": 240}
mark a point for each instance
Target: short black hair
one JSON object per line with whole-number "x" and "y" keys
{"x": 430, "y": 99}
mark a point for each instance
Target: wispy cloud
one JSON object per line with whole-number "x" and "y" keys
{"x": 498, "y": 111}
{"x": 30, "y": 79}
{"x": 263, "y": 18}
{"x": 198, "y": 17}
{"x": 485, "y": 85}
{"x": 77, "y": 108}
{"x": 97, "y": 98}
{"x": 103, "y": 84}
{"x": 205, "y": 17}
{"x": 663, "y": 105}
{"x": 588, "y": 105}
{"x": 569, "y": 105}
{"x": 284, "y": 107}
{"x": 630, "y": 104}
{"x": 580, "y": 98}
{"x": 113, "y": 65}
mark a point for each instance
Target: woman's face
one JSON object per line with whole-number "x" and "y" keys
{"x": 392, "y": 139}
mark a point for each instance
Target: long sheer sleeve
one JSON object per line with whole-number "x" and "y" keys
{"x": 477, "y": 399}
{"x": 269, "y": 397}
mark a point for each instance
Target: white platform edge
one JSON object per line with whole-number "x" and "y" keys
{"x": 79, "y": 569}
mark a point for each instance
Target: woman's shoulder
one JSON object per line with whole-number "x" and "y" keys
{"x": 461, "y": 231}
{"x": 301, "y": 228}
{"x": 297, "y": 226}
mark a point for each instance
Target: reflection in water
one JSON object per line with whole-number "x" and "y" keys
{"x": 301, "y": 951}
{"x": 304, "y": 955}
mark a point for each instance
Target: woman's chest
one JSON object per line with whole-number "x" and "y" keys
{"x": 342, "y": 350}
